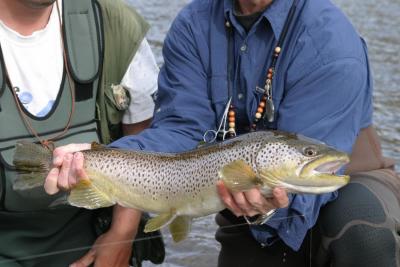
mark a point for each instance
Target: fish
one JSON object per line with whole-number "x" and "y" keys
{"x": 178, "y": 187}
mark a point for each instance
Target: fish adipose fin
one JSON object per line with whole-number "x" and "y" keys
{"x": 159, "y": 221}
{"x": 32, "y": 162}
{"x": 180, "y": 228}
{"x": 239, "y": 176}
{"x": 86, "y": 195}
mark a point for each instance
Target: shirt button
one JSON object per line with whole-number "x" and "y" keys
{"x": 243, "y": 48}
{"x": 240, "y": 96}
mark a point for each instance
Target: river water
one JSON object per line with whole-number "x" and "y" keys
{"x": 377, "y": 21}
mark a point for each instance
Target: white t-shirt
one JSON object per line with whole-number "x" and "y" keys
{"x": 35, "y": 66}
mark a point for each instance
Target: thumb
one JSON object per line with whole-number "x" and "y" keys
{"x": 86, "y": 260}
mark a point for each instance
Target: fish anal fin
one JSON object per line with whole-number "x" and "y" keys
{"x": 239, "y": 176}
{"x": 180, "y": 228}
{"x": 159, "y": 222}
{"x": 86, "y": 195}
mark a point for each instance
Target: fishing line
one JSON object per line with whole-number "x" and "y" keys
{"x": 35, "y": 256}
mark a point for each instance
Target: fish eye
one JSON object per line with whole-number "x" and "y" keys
{"x": 310, "y": 151}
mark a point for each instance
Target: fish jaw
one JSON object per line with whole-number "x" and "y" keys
{"x": 315, "y": 177}
{"x": 323, "y": 171}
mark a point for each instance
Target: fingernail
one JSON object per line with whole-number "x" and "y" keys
{"x": 57, "y": 161}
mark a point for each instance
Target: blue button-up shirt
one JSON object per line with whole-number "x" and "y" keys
{"x": 321, "y": 88}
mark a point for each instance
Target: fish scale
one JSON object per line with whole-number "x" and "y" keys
{"x": 182, "y": 186}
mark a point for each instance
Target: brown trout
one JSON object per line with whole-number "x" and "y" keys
{"x": 179, "y": 187}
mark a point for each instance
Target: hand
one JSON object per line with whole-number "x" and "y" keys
{"x": 252, "y": 202}
{"x": 67, "y": 168}
{"x": 114, "y": 248}
{"x": 110, "y": 249}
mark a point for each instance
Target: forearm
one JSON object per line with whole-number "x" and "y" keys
{"x": 125, "y": 221}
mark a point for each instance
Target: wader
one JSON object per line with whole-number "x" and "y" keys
{"x": 31, "y": 233}
{"x": 359, "y": 229}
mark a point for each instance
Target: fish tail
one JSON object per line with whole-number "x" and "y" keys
{"x": 32, "y": 163}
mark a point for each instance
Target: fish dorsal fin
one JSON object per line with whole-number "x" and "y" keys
{"x": 180, "y": 228}
{"x": 239, "y": 176}
{"x": 87, "y": 194}
{"x": 159, "y": 221}
{"x": 96, "y": 146}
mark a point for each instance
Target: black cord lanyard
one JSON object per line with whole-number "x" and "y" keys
{"x": 266, "y": 109}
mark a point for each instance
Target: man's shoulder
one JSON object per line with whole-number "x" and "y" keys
{"x": 330, "y": 32}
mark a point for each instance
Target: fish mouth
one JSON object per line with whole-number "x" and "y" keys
{"x": 331, "y": 167}
{"x": 315, "y": 177}
{"x": 321, "y": 176}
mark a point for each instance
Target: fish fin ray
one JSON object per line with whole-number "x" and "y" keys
{"x": 159, "y": 222}
{"x": 180, "y": 228}
{"x": 239, "y": 176}
{"x": 86, "y": 195}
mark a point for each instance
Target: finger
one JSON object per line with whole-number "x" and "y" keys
{"x": 50, "y": 184}
{"x": 65, "y": 172}
{"x": 86, "y": 260}
{"x": 59, "y": 152}
{"x": 76, "y": 171}
{"x": 79, "y": 166}
{"x": 226, "y": 197}
{"x": 244, "y": 205}
{"x": 280, "y": 199}
{"x": 258, "y": 201}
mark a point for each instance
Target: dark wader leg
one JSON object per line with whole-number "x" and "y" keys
{"x": 239, "y": 249}
{"x": 5, "y": 262}
{"x": 361, "y": 228}
{"x": 54, "y": 238}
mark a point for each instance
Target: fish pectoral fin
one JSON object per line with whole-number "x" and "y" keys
{"x": 239, "y": 176}
{"x": 180, "y": 228}
{"x": 86, "y": 195}
{"x": 159, "y": 222}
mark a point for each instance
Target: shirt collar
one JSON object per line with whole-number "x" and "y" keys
{"x": 276, "y": 14}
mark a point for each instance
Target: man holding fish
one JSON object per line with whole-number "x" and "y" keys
{"x": 234, "y": 66}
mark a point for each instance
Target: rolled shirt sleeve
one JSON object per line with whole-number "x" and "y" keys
{"x": 140, "y": 80}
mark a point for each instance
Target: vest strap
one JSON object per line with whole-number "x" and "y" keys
{"x": 82, "y": 39}
{"x": 2, "y": 75}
